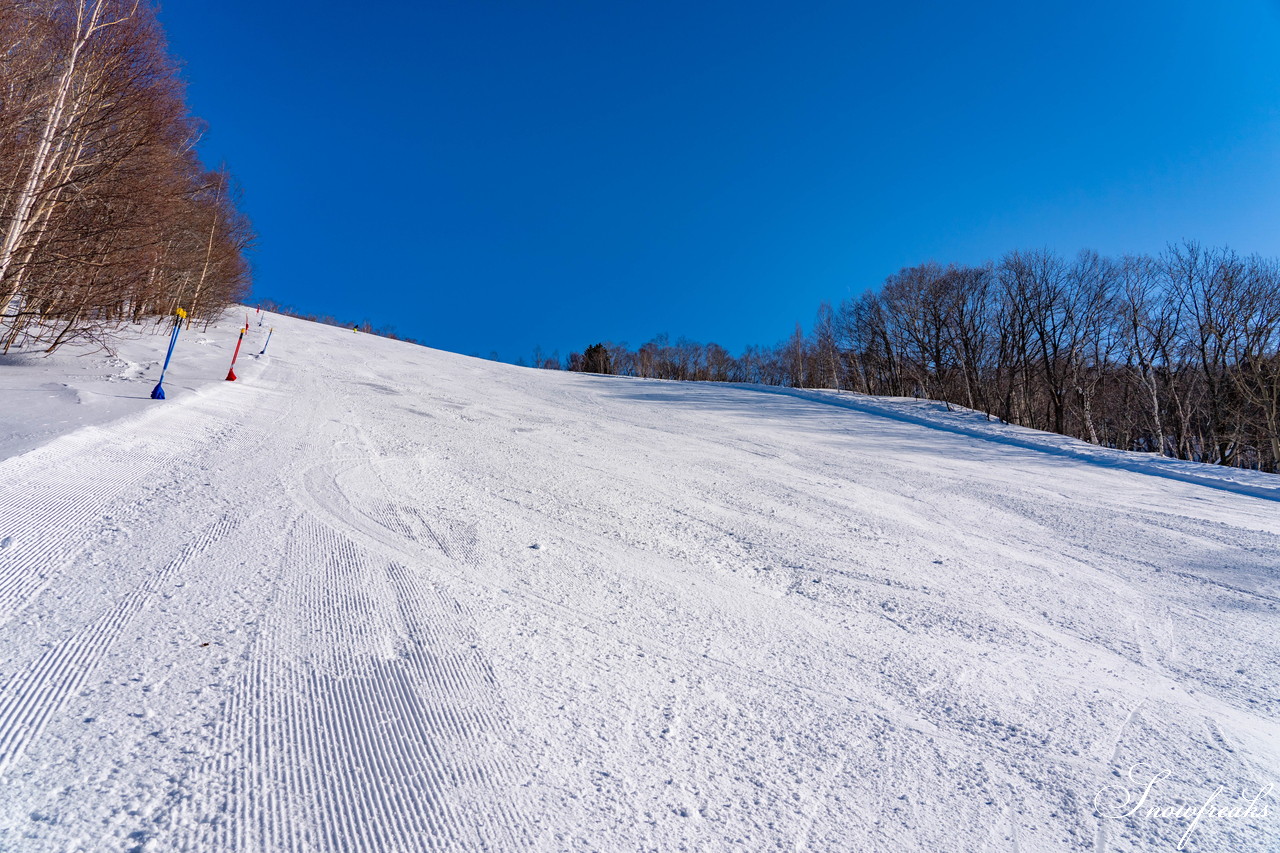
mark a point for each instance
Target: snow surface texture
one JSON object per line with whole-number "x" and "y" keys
{"x": 378, "y": 597}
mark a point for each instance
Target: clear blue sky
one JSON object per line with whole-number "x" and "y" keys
{"x": 487, "y": 176}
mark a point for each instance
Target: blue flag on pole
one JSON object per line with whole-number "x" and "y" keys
{"x": 157, "y": 393}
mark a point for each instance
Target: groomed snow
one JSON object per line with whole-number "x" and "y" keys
{"x": 378, "y": 597}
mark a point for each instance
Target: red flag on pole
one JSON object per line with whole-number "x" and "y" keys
{"x": 231, "y": 372}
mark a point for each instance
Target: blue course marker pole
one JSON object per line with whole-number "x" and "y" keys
{"x": 157, "y": 393}
{"x": 270, "y": 331}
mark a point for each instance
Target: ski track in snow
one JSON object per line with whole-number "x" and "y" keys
{"x": 31, "y": 697}
{"x": 305, "y": 612}
{"x": 375, "y": 739}
{"x": 42, "y": 495}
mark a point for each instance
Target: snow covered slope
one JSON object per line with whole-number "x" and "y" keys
{"x": 378, "y": 597}
{"x": 42, "y": 397}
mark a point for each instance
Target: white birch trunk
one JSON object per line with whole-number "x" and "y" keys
{"x": 44, "y": 163}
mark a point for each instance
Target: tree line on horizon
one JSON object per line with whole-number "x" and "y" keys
{"x": 365, "y": 326}
{"x": 107, "y": 215}
{"x": 1176, "y": 354}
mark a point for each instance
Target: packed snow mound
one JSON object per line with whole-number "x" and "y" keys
{"x": 373, "y": 596}
{"x": 79, "y": 385}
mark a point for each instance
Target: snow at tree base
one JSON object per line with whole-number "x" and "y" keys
{"x": 377, "y": 597}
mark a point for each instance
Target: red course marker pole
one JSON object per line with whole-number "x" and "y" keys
{"x": 231, "y": 373}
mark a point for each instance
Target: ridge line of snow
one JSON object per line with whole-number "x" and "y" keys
{"x": 57, "y": 445}
{"x": 1106, "y": 457}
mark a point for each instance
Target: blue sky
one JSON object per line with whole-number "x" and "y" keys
{"x": 491, "y": 176}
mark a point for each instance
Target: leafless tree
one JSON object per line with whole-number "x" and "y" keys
{"x": 106, "y": 215}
